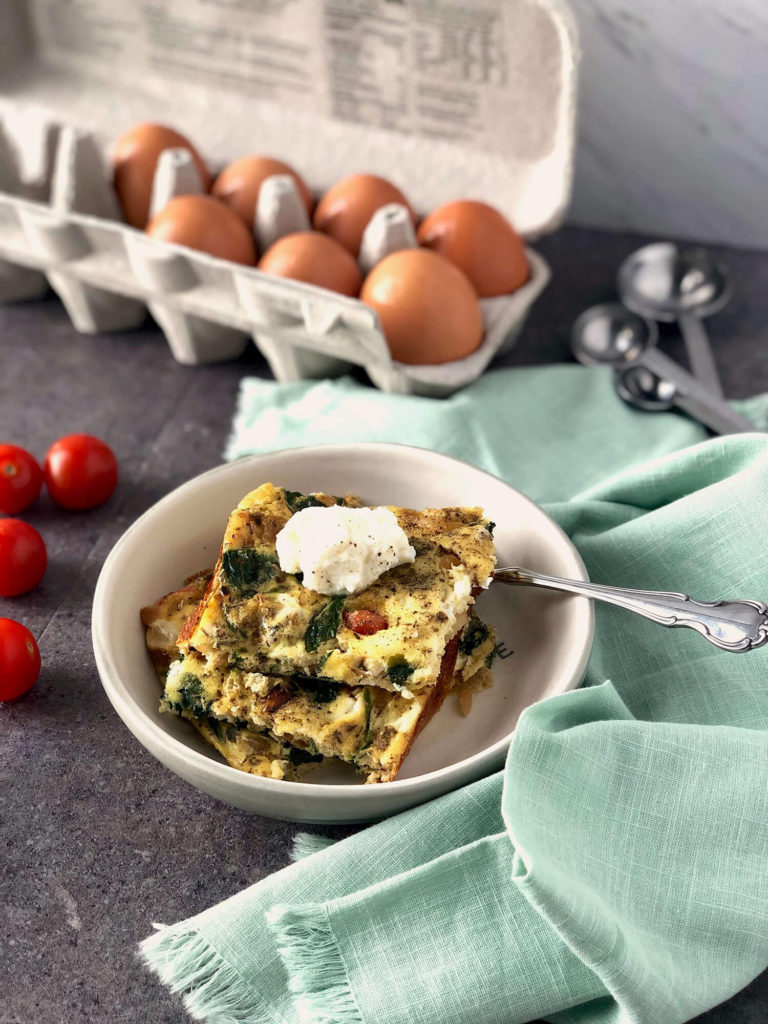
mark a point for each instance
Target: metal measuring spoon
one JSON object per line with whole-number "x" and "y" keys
{"x": 664, "y": 282}
{"x": 610, "y": 335}
{"x": 644, "y": 390}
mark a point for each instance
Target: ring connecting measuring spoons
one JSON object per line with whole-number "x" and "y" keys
{"x": 664, "y": 282}
{"x": 610, "y": 335}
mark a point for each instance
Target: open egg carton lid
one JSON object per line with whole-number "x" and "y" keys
{"x": 446, "y": 99}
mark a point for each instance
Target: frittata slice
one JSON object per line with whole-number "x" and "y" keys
{"x": 279, "y": 727}
{"x": 371, "y": 728}
{"x": 241, "y": 744}
{"x": 256, "y": 618}
{"x": 164, "y": 618}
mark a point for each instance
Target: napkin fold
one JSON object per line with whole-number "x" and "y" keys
{"x": 617, "y": 870}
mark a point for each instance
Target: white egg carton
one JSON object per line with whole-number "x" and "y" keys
{"x": 60, "y": 224}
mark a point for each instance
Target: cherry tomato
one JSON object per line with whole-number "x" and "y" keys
{"x": 20, "y": 479}
{"x": 23, "y": 557}
{"x": 19, "y": 659}
{"x": 80, "y": 471}
{"x": 364, "y": 621}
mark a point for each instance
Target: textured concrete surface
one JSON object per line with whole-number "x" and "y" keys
{"x": 97, "y": 839}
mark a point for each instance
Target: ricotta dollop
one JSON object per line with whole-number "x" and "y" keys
{"x": 342, "y": 550}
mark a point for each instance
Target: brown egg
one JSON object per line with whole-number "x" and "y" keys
{"x": 346, "y": 208}
{"x": 479, "y": 240}
{"x": 427, "y": 307}
{"x": 315, "y": 258}
{"x": 204, "y": 223}
{"x": 134, "y": 160}
{"x": 238, "y": 184}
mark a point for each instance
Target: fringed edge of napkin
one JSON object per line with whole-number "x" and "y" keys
{"x": 211, "y": 989}
{"x": 307, "y": 843}
{"x": 317, "y": 976}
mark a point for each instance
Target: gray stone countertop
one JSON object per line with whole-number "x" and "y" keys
{"x": 98, "y": 839}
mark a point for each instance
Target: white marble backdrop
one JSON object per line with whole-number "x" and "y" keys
{"x": 673, "y": 118}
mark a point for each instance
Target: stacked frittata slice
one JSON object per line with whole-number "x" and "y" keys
{"x": 278, "y": 677}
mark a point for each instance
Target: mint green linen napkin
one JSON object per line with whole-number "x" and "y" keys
{"x": 551, "y": 431}
{"x": 617, "y": 870}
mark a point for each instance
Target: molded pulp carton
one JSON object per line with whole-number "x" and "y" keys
{"x": 447, "y": 99}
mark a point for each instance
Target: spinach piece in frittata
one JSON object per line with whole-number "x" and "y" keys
{"x": 223, "y": 729}
{"x": 476, "y": 633}
{"x": 233, "y": 728}
{"x": 324, "y": 625}
{"x": 322, "y": 691}
{"x": 238, "y": 660}
{"x": 400, "y": 673}
{"x": 296, "y": 501}
{"x": 214, "y": 724}
{"x": 247, "y": 569}
{"x": 298, "y": 756}
{"x": 190, "y": 694}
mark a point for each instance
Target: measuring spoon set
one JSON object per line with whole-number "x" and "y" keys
{"x": 662, "y": 282}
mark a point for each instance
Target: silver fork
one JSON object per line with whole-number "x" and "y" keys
{"x": 734, "y": 626}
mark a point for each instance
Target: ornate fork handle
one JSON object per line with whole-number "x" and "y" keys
{"x": 730, "y": 625}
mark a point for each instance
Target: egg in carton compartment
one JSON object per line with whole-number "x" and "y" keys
{"x": 61, "y": 225}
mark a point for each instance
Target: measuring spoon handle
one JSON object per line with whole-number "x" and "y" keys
{"x": 699, "y": 352}
{"x": 710, "y": 416}
{"x": 713, "y": 412}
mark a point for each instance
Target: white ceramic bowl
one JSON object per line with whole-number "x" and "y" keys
{"x": 545, "y": 637}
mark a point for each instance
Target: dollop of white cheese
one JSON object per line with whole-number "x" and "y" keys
{"x": 342, "y": 550}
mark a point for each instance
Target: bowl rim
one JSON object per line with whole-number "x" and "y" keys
{"x": 138, "y": 722}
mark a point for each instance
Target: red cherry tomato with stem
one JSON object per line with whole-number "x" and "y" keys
{"x": 21, "y": 479}
{"x": 80, "y": 471}
{"x": 23, "y": 557}
{"x": 19, "y": 659}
